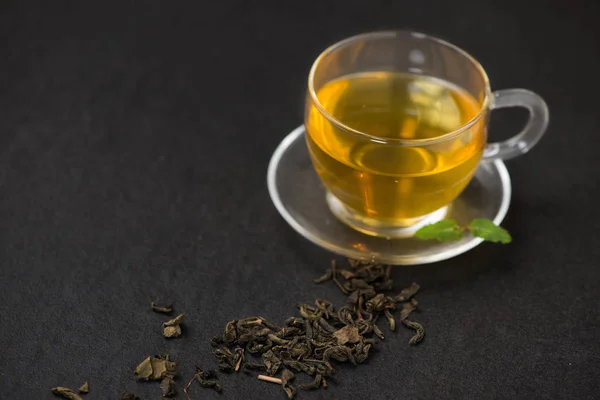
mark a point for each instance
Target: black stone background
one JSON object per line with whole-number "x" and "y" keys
{"x": 134, "y": 142}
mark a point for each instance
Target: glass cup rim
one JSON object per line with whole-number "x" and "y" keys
{"x": 403, "y": 142}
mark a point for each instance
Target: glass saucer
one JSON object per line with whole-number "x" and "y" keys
{"x": 300, "y": 198}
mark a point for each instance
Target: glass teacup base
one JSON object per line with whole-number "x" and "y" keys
{"x": 301, "y": 199}
{"x": 401, "y": 229}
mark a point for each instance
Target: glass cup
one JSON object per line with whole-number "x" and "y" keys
{"x": 396, "y": 127}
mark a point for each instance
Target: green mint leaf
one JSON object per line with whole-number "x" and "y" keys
{"x": 444, "y": 230}
{"x": 487, "y": 230}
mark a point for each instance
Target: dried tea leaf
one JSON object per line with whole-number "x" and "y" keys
{"x": 230, "y": 361}
{"x": 339, "y": 353}
{"x": 207, "y": 379}
{"x": 315, "y": 384}
{"x": 66, "y": 393}
{"x": 287, "y": 377}
{"x": 171, "y": 328}
{"x": 172, "y": 331}
{"x": 168, "y": 309}
{"x": 406, "y": 293}
{"x": 378, "y": 332}
{"x": 144, "y": 370}
{"x": 175, "y": 321}
{"x": 167, "y": 386}
{"x": 419, "y": 331}
{"x": 85, "y": 388}
{"x": 347, "y": 334}
{"x": 153, "y": 368}
{"x": 129, "y": 396}
{"x": 325, "y": 277}
{"x": 272, "y": 362}
{"x": 171, "y": 366}
{"x": 408, "y": 308}
{"x": 347, "y": 274}
{"x": 391, "y": 319}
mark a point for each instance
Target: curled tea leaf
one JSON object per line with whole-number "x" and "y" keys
{"x": 287, "y": 377}
{"x": 443, "y": 231}
{"x": 66, "y": 393}
{"x": 229, "y": 361}
{"x": 489, "y": 231}
{"x": 167, "y": 386}
{"x": 168, "y": 309}
{"x": 207, "y": 379}
{"x": 171, "y": 328}
{"x": 315, "y": 384}
{"x": 339, "y": 353}
{"x": 325, "y": 277}
{"x": 419, "y": 331}
{"x": 390, "y": 319}
{"x": 378, "y": 332}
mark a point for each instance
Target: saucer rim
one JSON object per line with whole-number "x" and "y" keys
{"x": 394, "y": 259}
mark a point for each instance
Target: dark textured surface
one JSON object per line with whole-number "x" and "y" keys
{"x": 134, "y": 141}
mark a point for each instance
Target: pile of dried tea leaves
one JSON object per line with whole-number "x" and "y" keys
{"x": 321, "y": 334}
{"x": 309, "y": 344}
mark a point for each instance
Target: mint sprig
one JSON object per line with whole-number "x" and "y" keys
{"x": 447, "y": 230}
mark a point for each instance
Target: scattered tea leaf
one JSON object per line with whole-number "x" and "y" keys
{"x": 347, "y": 274}
{"x": 287, "y": 377}
{"x": 154, "y": 368}
{"x": 145, "y": 370}
{"x": 406, "y": 293}
{"x": 229, "y": 361}
{"x": 129, "y": 396}
{"x": 443, "y": 231}
{"x": 168, "y": 309}
{"x": 419, "y": 331}
{"x": 325, "y": 277}
{"x": 171, "y": 328}
{"x": 66, "y": 393}
{"x": 174, "y": 321}
{"x": 408, "y": 308}
{"x": 315, "y": 384}
{"x": 206, "y": 379}
{"x": 390, "y": 319}
{"x": 347, "y": 334}
{"x": 167, "y": 386}
{"x": 272, "y": 362}
{"x": 85, "y": 388}
{"x": 489, "y": 231}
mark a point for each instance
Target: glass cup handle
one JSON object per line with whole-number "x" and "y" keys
{"x": 523, "y": 141}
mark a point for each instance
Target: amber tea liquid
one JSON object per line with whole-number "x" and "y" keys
{"x": 387, "y": 182}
